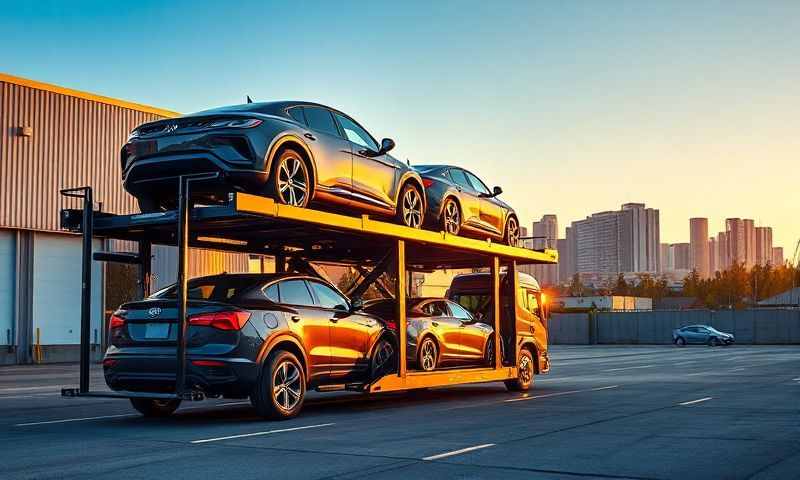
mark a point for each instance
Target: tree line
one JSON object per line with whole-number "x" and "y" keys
{"x": 735, "y": 287}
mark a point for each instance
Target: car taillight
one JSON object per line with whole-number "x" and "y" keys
{"x": 116, "y": 322}
{"x": 427, "y": 182}
{"x": 221, "y": 320}
{"x": 391, "y": 325}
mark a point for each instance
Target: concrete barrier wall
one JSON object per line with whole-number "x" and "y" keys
{"x": 757, "y": 326}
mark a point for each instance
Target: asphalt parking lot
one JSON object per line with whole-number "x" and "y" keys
{"x": 604, "y": 412}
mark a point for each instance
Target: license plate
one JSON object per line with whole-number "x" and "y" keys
{"x": 156, "y": 331}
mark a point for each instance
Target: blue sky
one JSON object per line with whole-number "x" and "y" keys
{"x": 572, "y": 107}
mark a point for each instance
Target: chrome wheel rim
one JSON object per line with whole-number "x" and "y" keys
{"x": 383, "y": 355}
{"x": 524, "y": 369}
{"x": 286, "y": 386}
{"x": 490, "y": 352}
{"x": 512, "y": 231}
{"x": 428, "y": 356}
{"x": 452, "y": 218}
{"x": 412, "y": 208}
{"x": 293, "y": 181}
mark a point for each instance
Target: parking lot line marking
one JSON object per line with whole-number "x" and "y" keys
{"x": 692, "y": 402}
{"x": 685, "y": 363}
{"x": 256, "y": 434}
{"x": 26, "y": 389}
{"x": 83, "y": 419}
{"x": 556, "y": 394}
{"x": 698, "y": 373}
{"x": 628, "y": 368}
{"x": 457, "y": 452}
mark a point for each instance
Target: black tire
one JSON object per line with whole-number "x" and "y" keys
{"x": 272, "y": 402}
{"x": 427, "y": 355}
{"x": 713, "y": 342}
{"x": 291, "y": 175}
{"x": 380, "y": 363}
{"x": 450, "y": 220}
{"x": 150, "y": 407}
{"x": 511, "y": 232}
{"x": 526, "y": 370}
{"x": 488, "y": 352}
{"x": 410, "y": 210}
{"x": 149, "y": 205}
{"x": 680, "y": 341}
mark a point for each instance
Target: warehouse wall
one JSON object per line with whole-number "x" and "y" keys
{"x": 7, "y": 274}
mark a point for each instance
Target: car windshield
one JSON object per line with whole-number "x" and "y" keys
{"x": 218, "y": 289}
{"x": 712, "y": 329}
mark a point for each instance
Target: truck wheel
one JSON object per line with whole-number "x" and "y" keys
{"x": 150, "y": 407}
{"x": 281, "y": 387}
{"x": 525, "y": 370}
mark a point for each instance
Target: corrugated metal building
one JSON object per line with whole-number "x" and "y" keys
{"x": 53, "y": 138}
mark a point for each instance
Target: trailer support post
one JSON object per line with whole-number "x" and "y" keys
{"x": 183, "y": 262}
{"x": 498, "y": 325}
{"x": 145, "y": 268}
{"x": 86, "y": 287}
{"x": 400, "y": 297}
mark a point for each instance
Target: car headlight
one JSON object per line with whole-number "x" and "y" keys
{"x": 237, "y": 123}
{"x": 134, "y": 134}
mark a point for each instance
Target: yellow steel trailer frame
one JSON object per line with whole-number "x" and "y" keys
{"x": 258, "y": 225}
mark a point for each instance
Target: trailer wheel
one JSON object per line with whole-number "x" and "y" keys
{"x": 525, "y": 370}
{"x": 150, "y": 407}
{"x": 281, "y": 387}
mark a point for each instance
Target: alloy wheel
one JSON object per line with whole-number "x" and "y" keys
{"x": 412, "y": 208}
{"x": 452, "y": 218}
{"x": 490, "y": 352}
{"x": 383, "y": 355}
{"x": 428, "y": 355}
{"x": 512, "y": 232}
{"x": 293, "y": 181}
{"x": 286, "y": 386}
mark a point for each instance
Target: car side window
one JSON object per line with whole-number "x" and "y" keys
{"x": 477, "y": 184}
{"x": 533, "y": 303}
{"x": 295, "y": 292}
{"x": 271, "y": 292}
{"x": 460, "y": 178}
{"x": 356, "y": 134}
{"x": 328, "y": 297}
{"x": 436, "y": 309}
{"x": 459, "y": 312}
{"x": 321, "y": 120}
{"x": 297, "y": 114}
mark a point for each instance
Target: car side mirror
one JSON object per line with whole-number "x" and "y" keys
{"x": 356, "y": 304}
{"x": 386, "y": 145}
{"x": 496, "y": 191}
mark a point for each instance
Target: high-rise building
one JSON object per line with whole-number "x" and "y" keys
{"x": 665, "y": 258}
{"x": 545, "y": 235}
{"x": 723, "y": 256}
{"x": 763, "y": 253}
{"x": 572, "y": 253}
{"x": 713, "y": 256}
{"x": 698, "y": 242}
{"x": 777, "y": 256}
{"x": 749, "y": 242}
{"x": 563, "y": 260}
{"x": 736, "y": 241}
{"x": 639, "y": 238}
{"x": 681, "y": 253}
{"x": 626, "y": 240}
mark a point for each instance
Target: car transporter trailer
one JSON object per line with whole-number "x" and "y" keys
{"x": 296, "y": 237}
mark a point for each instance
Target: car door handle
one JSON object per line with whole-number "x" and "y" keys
{"x": 333, "y": 319}
{"x": 435, "y": 324}
{"x": 309, "y": 136}
{"x": 295, "y": 318}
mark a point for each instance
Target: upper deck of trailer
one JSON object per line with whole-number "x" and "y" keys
{"x": 259, "y": 225}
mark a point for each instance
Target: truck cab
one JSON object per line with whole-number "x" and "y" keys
{"x": 524, "y": 321}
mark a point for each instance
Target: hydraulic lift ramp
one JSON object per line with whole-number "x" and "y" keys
{"x": 294, "y": 236}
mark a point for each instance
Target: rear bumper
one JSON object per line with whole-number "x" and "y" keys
{"x": 136, "y": 373}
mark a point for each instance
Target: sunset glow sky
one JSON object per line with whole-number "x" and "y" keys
{"x": 572, "y": 107}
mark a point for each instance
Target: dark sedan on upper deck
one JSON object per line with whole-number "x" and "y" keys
{"x": 459, "y": 202}
{"x": 299, "y": 153}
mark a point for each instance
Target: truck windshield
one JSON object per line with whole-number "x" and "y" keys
{"x": 478, "y": 305}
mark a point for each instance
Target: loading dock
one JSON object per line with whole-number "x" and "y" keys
{"x": 297, "y": 238}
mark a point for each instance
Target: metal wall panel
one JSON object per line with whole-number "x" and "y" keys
{"x": 75, "y": 142}
{"x": 8, "y": 259}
